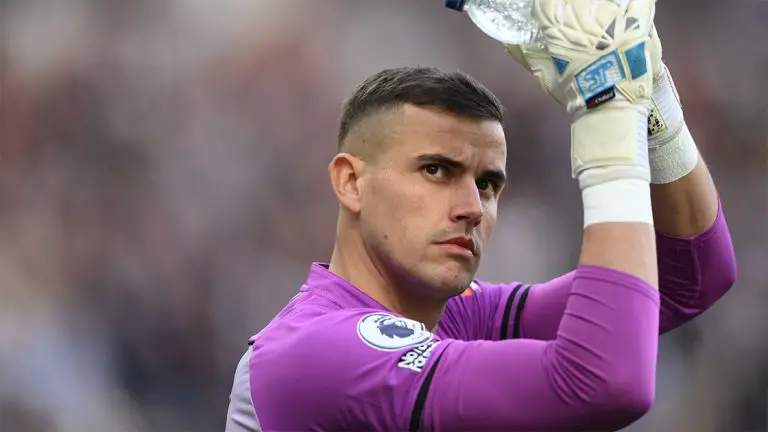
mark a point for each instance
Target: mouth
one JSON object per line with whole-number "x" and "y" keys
{"x": 462, "y": 245}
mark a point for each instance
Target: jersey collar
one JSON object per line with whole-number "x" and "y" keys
{"x": 325, "y": 283}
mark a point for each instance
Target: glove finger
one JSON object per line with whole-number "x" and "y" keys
{"x": 545, "y": 70}
{"x": 517, "y": 53}
{"x": 545, "y": 12}
{"x": 642, "y": 11}
{"x": 608, "y": 26}
{"x": 539, "y": 63}
{"x": 655, "y": 50}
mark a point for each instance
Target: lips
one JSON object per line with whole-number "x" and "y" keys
{"x": 464, "y": 242}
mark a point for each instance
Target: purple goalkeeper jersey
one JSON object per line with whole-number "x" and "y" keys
{"x": 575, "y": 353}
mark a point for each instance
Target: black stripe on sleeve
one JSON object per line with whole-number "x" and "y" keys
{"x": 421, "y": 398}
{"x": 508, "y": 312}
{"x": 519, "y": 313}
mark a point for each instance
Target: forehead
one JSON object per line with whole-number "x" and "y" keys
{"x": 422, "y": 130}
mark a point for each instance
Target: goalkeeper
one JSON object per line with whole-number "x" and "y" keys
{"x": 395, "y": 334}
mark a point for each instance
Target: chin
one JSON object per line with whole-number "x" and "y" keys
{"x": 450, "y": 283}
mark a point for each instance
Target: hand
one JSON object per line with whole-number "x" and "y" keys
{"x": 582, "y": 37}
{"x": 596, "y": 63}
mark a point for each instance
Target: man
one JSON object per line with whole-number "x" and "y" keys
{"x": 396, "y": 334}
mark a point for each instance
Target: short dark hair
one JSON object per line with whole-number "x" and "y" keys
{"x": 428, "y": 87}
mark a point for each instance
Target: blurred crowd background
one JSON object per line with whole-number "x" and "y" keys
{"x": 163, "y": 191}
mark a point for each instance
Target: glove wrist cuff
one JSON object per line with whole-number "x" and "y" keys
{"x": 675, "y": 159}
{"x": 613, "y": 135}
{"x": 672, "y": 151}
{"x": 665, "y": 119}
{"x": 609, "y": 156}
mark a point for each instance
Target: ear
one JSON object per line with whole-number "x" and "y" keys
{"x": 346, "y": 173}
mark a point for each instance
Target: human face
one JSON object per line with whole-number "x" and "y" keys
{"x": 430, "y": 201}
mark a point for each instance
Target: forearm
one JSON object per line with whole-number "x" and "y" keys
{"x": 605, "y": 245}
{"x": 685, "y": 201}
{"x": 615, "y": 190}
{"x": 686, "y": 207}
{"x": 697, "y": 265}
{"x": 693, "y": 274}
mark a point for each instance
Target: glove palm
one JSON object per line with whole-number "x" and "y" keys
{"x": 596, "y": 63}
{"x": 592, "y": 47}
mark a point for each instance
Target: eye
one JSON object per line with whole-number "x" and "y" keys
{"x": 434, "y": 170}
{"x": 488, "y": 186}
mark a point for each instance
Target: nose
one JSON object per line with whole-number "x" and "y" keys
{"x": 468, "y": 205}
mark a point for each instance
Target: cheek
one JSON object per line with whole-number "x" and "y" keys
{"x": 489, "y": 224}
{"x": 407, "y": 212}
{"x": 400, "y": 214}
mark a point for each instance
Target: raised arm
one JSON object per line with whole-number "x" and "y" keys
{"x": 694, "y": 273}
{"x": 598, "y": 372}
{"x": 696, "y": 261}
{"x": 697, "y": 264}
{"x": 685, "y": 201}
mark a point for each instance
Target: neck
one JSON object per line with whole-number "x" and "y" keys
{"x": 351, "y": 261}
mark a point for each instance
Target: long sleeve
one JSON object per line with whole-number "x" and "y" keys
{"x": 597, "y": 374}
{"x": 693, "y": 274}
{"x": 361, "y": 369}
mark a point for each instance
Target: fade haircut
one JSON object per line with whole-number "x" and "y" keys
{"x": 454, "y": 93}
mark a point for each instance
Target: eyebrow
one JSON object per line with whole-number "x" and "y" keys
{"x": 494, "y": 175}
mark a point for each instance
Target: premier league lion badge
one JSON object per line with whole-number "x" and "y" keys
{"x": 386, "y": 332}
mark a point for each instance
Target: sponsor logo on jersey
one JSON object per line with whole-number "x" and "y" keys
{"x": 386, "y": 332}
{"x": 416, "y": 358}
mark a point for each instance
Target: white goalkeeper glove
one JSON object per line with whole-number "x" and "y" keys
{"x": 597, "y": 62}
{"x": 672, "y": 151}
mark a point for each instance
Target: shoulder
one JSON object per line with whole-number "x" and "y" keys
{"x": 353, "y": 329}
{"x": 364, "y": 331}
{"x": 340, "y": 364}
